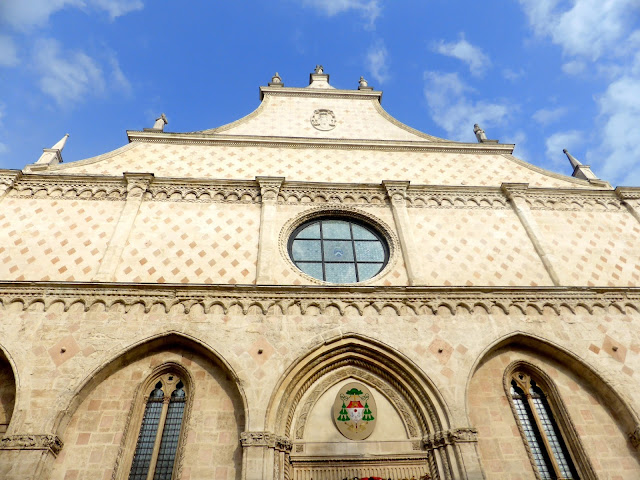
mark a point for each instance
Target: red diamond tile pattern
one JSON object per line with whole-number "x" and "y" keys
{"x": 317, "y": 165}
{"x": 592, "y": 247}
{"x": 44, "y": 239}
{"x": 476, "y": 247}
{"x": 180, "y": 242}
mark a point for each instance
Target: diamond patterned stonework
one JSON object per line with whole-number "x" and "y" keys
{"x": 192, "y": 243}
{"x": 44, "y": 239}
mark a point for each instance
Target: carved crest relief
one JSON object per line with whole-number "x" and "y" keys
{"x": 323, "y": 119}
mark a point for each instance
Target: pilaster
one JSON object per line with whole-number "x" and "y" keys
{"x": 265, "y": 455}
{"x": 137, "y": 185}
{"x": 630, "y": 198}
{"x": 267, "y": 245}
{"x": 397, "y": 192}
{"x": 516, "y": 193}
{"x": 8, "y": 179}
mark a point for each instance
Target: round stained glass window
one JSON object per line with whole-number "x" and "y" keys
{"x": 338, "y": 250}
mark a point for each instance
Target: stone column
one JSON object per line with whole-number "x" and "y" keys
{"x": 397, "y": 191}
{"x": 137, "y": 185}
{"x": 630, "y": 198}
{"x": 516, "y": 193}
{"x": 28, "y": 456}
{"x": 268, "y": 243}
{"x": 8, "y": 179}
{"x": 456, "y": 454}
{"x": 264, "y": 455}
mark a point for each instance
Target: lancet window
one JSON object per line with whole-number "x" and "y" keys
{"x": 541, "y": 423}
{"x": 159, "y": 434}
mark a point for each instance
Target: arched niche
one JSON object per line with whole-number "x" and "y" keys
{"x": 594, "y": 412}
{"x": 104, "y": 416}
{"x": 8, "y": 391}
{"x": 414, "y": 410}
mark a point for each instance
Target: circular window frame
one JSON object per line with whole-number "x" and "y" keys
{"x": 379, "y": 228}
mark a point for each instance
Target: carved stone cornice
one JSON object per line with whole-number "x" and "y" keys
{"x": 321, "y": 299}
{"x": 32, "y": 442}
{"x": 109, "y": 188}
{"x": 266, "y": 439}
{"x": 198, "y": 138}
{"x": 450, "y": 437}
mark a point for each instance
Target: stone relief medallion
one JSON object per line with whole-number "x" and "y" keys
{"x": 323, "y": 119}
{"x": 354, "y": 411}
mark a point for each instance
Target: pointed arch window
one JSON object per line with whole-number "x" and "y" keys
{"x": 554, "y": 447}
{"x": 159, "y": 435}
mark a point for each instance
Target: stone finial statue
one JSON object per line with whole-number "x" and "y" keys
{"x": 276, "y": 78}
{"x": 319, "y": 69}
{"x": 480, "y": 135}
{"x": 363, "y": 82}
{"x": 579, "y": 170}
{"x": 53, "y": 155}
{"x": 161, "y": 121}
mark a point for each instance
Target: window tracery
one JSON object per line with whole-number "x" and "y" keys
{"x": 160, "y": 428}
{"x": 553, "y": 444}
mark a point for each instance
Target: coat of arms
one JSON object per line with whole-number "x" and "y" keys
{"x": 323, "y": 119}
{"x": 354, "y": 411}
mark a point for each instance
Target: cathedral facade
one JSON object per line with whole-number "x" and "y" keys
{"x": 316, "y": 292}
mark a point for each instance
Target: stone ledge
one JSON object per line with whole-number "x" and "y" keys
{"x": 48, "y": 442}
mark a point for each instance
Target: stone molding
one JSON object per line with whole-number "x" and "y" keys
{"x": 322, "y": 300}
{"x": 266, "y": 439}
{"x": 110, "y": 188}
{"x": 199, "y": 138}
{"x": 450, "y": 437}
{"x": 397, "y": 400}
{"x": 48, "y": 442}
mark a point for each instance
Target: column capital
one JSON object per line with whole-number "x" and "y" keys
{"x": 31, "y": 441}
{"x": 514, "y": 190}
{"x": 8, "y": 179}
{"x": 266, "y": 439}
{"x": 628, "y": 193}
{"x": 396, "y": 189}
{"x": 137, "y": 183}
{"x": 270, "y": 187}
{"x": 450, "y": 437}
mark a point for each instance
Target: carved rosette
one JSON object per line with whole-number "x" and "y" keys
{"x": 48, "y": 442}
{"x": 450, "y": 437}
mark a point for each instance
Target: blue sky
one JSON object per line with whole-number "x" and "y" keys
{"x": 544, "y": 74}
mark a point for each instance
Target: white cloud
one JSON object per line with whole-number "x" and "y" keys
{"x": 369, "y": 9}
{"x": 557, "y": 142}
{"x": 451, "y": 108}
{"x": 377, "y": 58}
{"x": 8, "y": 52}
{"x": 473, "y": 56}
{"x": 590, "y": 28}
{"x": 545, "y": 116}
{"x": 512, "y": 75}
{"x": 67, "y": 77}
{"x": 27, "y": 14}
{"x": 574, "y": 67}
{"x": 618, "y": 157}
{"x": 118, "y": 78}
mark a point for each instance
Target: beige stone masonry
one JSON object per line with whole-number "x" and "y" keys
{"x": 137, "y": 184}
{"x": 397, "y": 192}
{"x": 267, "y": 243}
{"x": 516, "y": 194}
